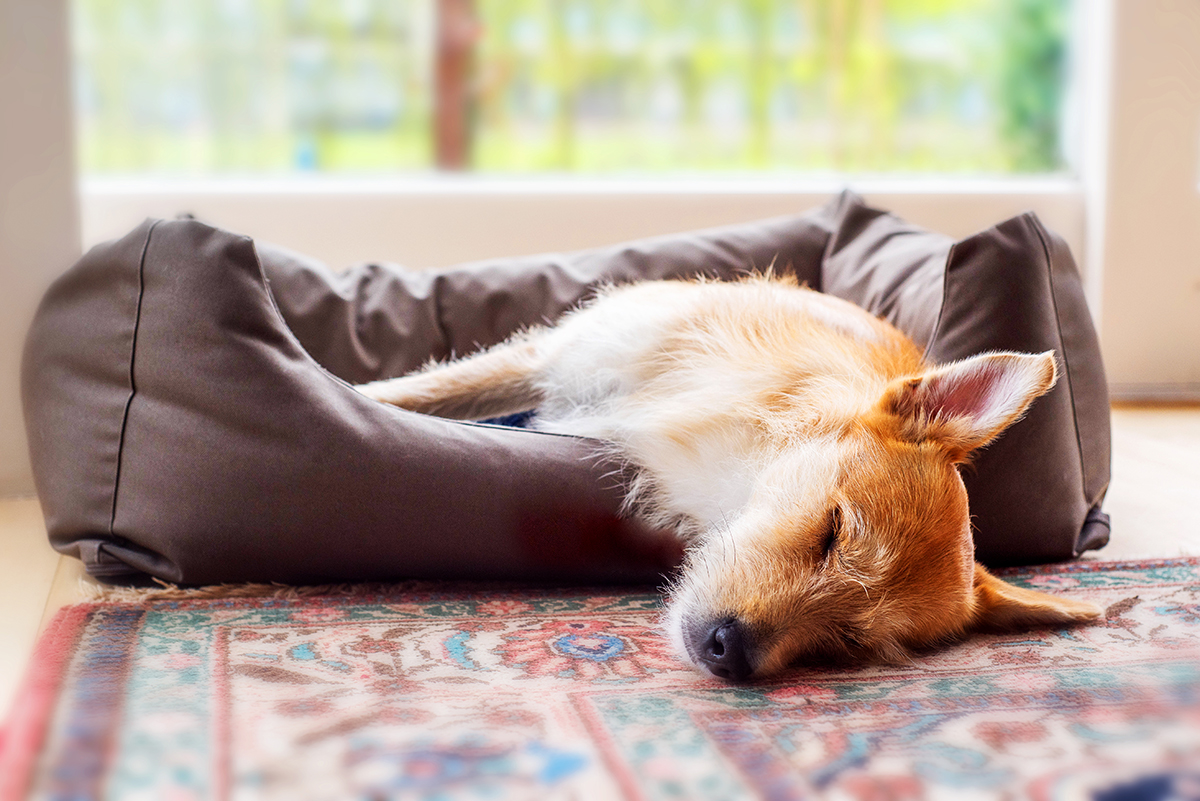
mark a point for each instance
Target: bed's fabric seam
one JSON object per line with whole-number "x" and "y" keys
{"x": 137, "y": 320}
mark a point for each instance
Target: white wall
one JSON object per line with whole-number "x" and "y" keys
{"x": 1150, "y": 321}
{"x": 39, "y": 228}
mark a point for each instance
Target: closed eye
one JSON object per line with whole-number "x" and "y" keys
{"x": 831, "y": 536}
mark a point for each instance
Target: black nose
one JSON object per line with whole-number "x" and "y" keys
{"x": 725, "y": 650}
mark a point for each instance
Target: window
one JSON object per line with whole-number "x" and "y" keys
{"x": 587, "y": 87}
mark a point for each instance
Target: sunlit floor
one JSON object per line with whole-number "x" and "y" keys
{"x": 1156, "y": 475}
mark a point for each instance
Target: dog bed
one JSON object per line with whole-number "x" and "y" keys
{"x": 190, "y": 416}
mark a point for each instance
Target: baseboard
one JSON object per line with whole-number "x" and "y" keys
{"x": 1155, "y": 393}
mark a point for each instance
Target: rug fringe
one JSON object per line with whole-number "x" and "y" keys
{"x": 165, "y": 591}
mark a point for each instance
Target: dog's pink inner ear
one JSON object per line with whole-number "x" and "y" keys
{"x": 1000, "y": 606}
{"x": 968, "y": 403}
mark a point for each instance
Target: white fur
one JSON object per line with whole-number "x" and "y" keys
{"x": 603, "y": 377}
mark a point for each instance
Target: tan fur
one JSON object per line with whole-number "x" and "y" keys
{"x": 766, "y": 421}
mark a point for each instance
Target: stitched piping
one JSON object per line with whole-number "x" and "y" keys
{"x": 937, "y": 324}
{"x": 137, "y": 321}
{"x": 1037, "y": 228}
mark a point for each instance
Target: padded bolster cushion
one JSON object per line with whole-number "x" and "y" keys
{"x": 1035, "y": 492}
{"x": 190, "y": 419}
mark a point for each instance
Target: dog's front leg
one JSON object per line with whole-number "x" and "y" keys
{"x": 494, "y": 382}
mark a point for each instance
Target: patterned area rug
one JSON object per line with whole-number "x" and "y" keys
{"x": 471, "y": 693}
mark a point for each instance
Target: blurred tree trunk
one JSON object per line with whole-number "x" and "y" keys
{"x": 458, "y": 30}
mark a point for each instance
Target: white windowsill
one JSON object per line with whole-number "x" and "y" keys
{"x": 465, "y": 184}
{"x": 433, "y": 220}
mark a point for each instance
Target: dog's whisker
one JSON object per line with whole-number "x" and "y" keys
{"x": 727, "y": 537}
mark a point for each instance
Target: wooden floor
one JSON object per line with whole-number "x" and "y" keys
{"x": 1153, "y": 502}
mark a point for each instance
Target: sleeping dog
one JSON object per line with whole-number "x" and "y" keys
{"x": 802, "y": 448}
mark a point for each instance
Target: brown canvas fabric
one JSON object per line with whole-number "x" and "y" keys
{"x": 189, "y": 417}
{"x": 380, "y": 320}
{"x": 1011, "y": 287}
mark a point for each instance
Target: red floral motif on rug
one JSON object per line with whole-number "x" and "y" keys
{"x": 589, "y": 650}
{"x": 466, "y": 692}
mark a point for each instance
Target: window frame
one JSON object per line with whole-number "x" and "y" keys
{"x": 450, "y": 216}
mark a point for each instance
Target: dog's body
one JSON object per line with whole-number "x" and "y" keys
{"x": 802, "y": 446}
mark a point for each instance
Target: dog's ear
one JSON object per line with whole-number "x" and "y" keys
{"x": 966, "y": 404}
{"x": 1001, "y": 606}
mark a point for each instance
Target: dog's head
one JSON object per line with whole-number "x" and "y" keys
{"x": 857, "y": 540}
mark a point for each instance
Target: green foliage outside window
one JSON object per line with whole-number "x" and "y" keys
{"x": 598, "y": 87}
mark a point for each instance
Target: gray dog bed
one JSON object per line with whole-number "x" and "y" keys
{"x": 190, "y": 419}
